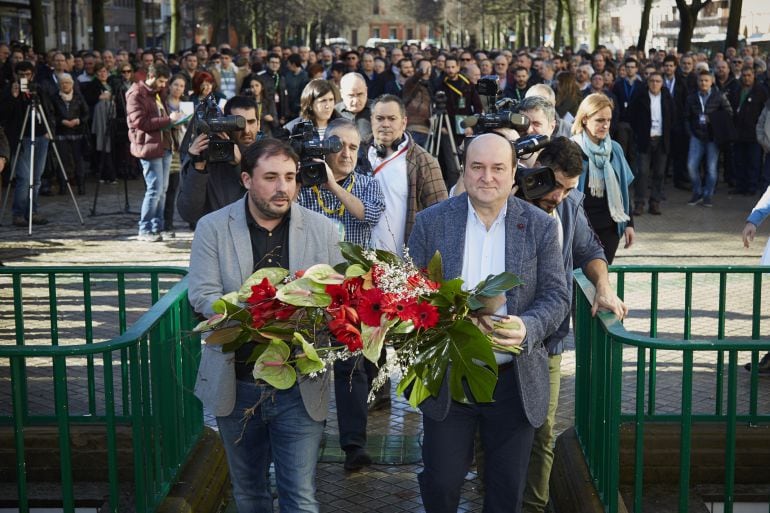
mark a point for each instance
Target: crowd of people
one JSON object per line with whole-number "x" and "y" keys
{"x": 623, "y": 128}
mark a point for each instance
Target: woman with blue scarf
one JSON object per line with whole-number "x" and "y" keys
{"x": 606, "y": 175}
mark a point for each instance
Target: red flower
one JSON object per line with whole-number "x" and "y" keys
{"x": 394, "y": 307}
{"x": 261, "y": 292}
{"x": 284, "y": 312}
{"x": 339, "y": 295}
{"x": 370, "y": 307}
{"x": 345, "y": 332}
{"x": 423, "y": 315}
{"x": 418, "y": 280}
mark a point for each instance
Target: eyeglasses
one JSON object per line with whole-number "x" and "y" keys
{"x": 465, "y": 59}
{"x": 125, "y": 71}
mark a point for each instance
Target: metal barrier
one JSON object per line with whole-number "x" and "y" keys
{"x": 92, "y": 323}
{"x": 600, "y": 343}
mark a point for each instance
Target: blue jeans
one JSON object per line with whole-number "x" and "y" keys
{"x": 21, "y": 189}
{"x": 747, "y": 164}
{"x": 156, "y": 173}
{"x": 280, "y": 427}
{"x": 698, "y": 149}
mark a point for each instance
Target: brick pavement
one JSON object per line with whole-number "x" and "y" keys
{"x": 683, "y": 235}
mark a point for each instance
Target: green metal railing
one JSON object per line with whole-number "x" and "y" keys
{"x": 663, "y": 293}
{"x": 114, "y": 329}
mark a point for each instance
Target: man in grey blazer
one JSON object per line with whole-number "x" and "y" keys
{"x": 481, "y": 232}
{"x": 257, "y": 422}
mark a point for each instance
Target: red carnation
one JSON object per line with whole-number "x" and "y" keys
{"x": 370, "y": 307}
{"x": 423, "y": 315}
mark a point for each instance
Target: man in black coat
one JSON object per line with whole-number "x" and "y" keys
{"x": 680, "y": 142}
{"x": 747, "y": 103}
{"x": 651, "y": 112}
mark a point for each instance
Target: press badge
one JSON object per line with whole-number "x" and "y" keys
{"x": 702, "y": 119}
{"x": 461, "y": 103}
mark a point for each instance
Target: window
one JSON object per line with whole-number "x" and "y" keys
{"x": 376, "y": 32}
{"x": 410, "y": 33}
{"x": 376, "y": 7}
{"x": 392, "y": 33}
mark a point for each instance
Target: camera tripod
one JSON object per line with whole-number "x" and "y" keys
{"x": 438, "y": 121}
{"x": 35, "y": 111}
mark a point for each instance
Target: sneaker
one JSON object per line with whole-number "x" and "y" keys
{"x": 150, "y": 237}
{"x": 707, "y": 202}
{"x": 38, "y": 219}
{"x": 356, "y": 458}
{"x": 763, "y": 367}
{"x": 695, "y": 199}
{"x": 168, "y": 234}
{"x": 19, "y": 221}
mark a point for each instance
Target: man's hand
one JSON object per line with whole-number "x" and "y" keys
{"x": 506, "y": 330}
{"x": 15, "y": 90}
{"x": 197, "y": 147}
{"x": 2, "y": 163}
{"x": 605, "y": 299}
{"x": 749, "y": 232}
{"x": 630, "y": 235}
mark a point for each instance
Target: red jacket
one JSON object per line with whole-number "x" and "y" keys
{"x": 145, "y": 122}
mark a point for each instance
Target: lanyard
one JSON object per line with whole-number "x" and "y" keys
{"x": 339, "y": 211}
{"x": 702, "y": 102}
{"x": 453, "y": 88}
{"x": 386, "y": 162}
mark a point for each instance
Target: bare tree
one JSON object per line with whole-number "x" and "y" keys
{"x": 734, "y": 23}
{"x": 97, "y": 24}
{"x": 688, "y": 18}
{"x": 38, "y": 32}
{"x": 175, "y": 42}
{"x": 139, "y": 23}
{"x": 645, "y": 25}
{"x": 593, "y": 14}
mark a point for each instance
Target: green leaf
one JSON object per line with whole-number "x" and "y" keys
{"x": 223, "y": 336}
{"x": 387, "y": 257}
{"x": 494, "y": 285}
{"x": 435, "y": 270}
{"x": 274, "y": 275}
{"x": 374, "y": 337}
{"x": 403, "y": 328}
{"x": 273, "y": 368}
{"x": 223, "y": 306}
{"x": 323, "y": 273}
{"x": 354, "y": 254}
{"x": 310, "y": 362}
{"x": 304, "y": 292}
{"x": 355, "y": 270}
{"x": 451, "y": 290}
{"x": 210, "y": 323}
{"x": 467, "y": 347}
{"x": 257, "y": 352}
{"x": 417, "y": 393}
{"x": 244, "y": 337}
{"x": 231, "y": 297}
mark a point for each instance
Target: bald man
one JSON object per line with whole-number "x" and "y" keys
{"x": 355, "y": 104}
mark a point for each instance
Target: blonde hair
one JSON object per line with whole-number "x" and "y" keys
{"x": 590, "y": 105}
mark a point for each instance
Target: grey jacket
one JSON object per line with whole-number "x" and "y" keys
{"x": 220, "y": 262}
{"x": 542, "y": 301}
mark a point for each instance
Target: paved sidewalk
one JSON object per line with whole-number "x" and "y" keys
{"x": 683, "y": 235}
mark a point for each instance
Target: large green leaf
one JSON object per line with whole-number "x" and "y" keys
{"x": 224, "y": 336}
{"x": 468, "y": 346}
{"x": 497, "y": 284}
{"x": 273, "y": 368}
{"x": 435, "y": 269}
{"x": 374, "y": 337}
{"x": 417, "y": 391}
{"x": 355, "y": 270}
{"x": 274, "y": 275}
{"x": 450, "y": 290}
{"x": 222, "y": 306}
{"x": 323, "y": 273}
{"x": 354, "y": 254}
{"x": 304, "y": 292}
{"x": 387, "y": 257}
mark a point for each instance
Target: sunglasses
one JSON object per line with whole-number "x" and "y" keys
{"x": 125, "y": 71}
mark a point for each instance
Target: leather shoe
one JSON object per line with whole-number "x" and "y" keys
{"x": 638, "y": 209}
{"x": 356, "y": 458}
{"x": 654, "y": 208}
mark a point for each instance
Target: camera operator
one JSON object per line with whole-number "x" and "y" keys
{"x": 16, "y": 98}
{"x": 542, "y": 121}
{"x": 581, "y": 248}
{"x": 418, "y": 97}
{"x": 208, "y": 186}
{"x": 355, "y": 203}
{"x": 462, "y": 98}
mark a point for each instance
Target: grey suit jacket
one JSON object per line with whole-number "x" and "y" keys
{"x": 542, "y": 302}
{"x": 220, "y": 262}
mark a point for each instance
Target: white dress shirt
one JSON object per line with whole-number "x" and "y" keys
{"x": 656, "y": 115}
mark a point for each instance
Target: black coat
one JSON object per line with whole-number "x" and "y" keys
{"x": 716, "y": 101}
{"x": 75, "y": 109}
{"x": 679, "y": 99}
{"x": 641, "y": 119}
{"x": 747, "y": 114}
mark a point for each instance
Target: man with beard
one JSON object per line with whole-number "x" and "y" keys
{"x": 265, "y": 228}
{"x": 208, "y": 186}
{"x": 462, "y": 98}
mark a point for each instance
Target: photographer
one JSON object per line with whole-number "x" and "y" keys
{"x": 16, "y": 98}
{"x": 355, "y": 203}
{"x": 208, "y": 186}
{"x": 542, "y": 120}
{"x": 417, "y": 96}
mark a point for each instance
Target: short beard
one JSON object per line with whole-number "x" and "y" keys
{"x": 266, "y": 210}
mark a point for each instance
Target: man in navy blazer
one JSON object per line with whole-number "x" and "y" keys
{"x": 488, "y": 231}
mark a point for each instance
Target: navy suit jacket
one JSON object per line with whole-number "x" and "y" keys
{"x": 542, "y": 302}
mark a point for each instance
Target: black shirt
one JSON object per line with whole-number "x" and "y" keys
{"x": 269, "y": 248}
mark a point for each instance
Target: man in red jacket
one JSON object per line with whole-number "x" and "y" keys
{"x": 148, "y": 122}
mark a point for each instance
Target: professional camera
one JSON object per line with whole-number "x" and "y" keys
{"x": 303, "y": 142}
{"x": 439, "y": 102}
{"x": 209, "y": 119}
{"x": 501, "y": 113}
{"x": 535, "y": 182}
{"x": 27, "y": 86}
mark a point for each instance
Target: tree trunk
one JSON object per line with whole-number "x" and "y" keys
{"x": 37, "y": 19}
{"x": 570, "y": 23}
{"x": 139, "y": 22}
{"x": 557, "y": 36}
{"x": 175, "y": 41}
{"x": 734, "y": 23}
{"x": 74, "y": 29}
{"x": 520, "y": 35}
{"x": 97, "y": 24}
{"x": 645, "y": 25}
{"x": 688, "y": 17}
{"x": 594, "y": 17}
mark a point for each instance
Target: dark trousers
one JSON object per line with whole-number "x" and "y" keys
{"x": 650, "y": 171}
{"x": 351, "y": 388}
{"x": 610, "y": 240}
{"x": 680, "y": 148}
{"x": 170, "y": 206}
{"x": 506, "y": 438}
{"x": 747, "y": 161}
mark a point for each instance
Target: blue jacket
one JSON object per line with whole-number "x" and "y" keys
{"x": 580, "y": 246}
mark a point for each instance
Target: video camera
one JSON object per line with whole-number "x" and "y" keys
{"x": 27, "y": 86}
{"x": 439, "y": 102}
{"x": 209, "y": 119}
{"x": 501, "y": 113}
{"x": 535, "y": 182}
{"x": 303, "y": 142}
